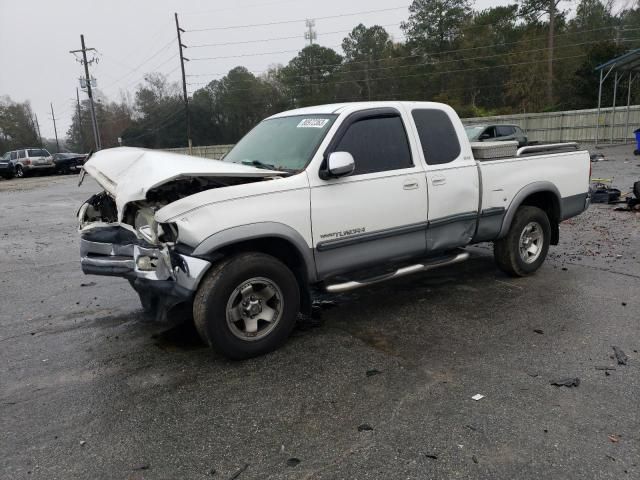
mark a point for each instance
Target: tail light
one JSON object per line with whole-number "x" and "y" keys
{"x": 26, "y": 161}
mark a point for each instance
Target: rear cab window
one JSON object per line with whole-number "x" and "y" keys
{"x": 21, "y": 154}
{"x": 377, "y": 144}
{"x": 438, "y": 137}
{"x": 37, "y": 152}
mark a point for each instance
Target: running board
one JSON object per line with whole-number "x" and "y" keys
{"x": 401, "y": 272}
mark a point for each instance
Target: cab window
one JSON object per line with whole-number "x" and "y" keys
{"x": 377, "y": 144}
{"x": 438, "y": 136}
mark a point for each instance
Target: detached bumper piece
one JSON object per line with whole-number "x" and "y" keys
{"x": 161, "y": 277}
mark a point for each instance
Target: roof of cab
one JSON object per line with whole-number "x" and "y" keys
{"x": 336, "y": 108}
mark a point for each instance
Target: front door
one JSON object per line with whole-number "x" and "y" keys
{"x": 379, "y": 212}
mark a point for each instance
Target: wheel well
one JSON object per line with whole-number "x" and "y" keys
{"x": 284, "y": 251}
{"x": 550, "y": 204}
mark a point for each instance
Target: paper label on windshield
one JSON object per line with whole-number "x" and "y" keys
{"x": 313, "y": 123}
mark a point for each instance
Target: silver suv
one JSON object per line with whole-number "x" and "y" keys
{"x": 29, "y": 160}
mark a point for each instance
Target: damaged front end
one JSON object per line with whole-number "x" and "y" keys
{"x": 119, "y": 232}
{"x": 144, "y": 252}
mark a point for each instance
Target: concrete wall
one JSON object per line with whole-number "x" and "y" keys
{"x": 570, "y": 125}
{"x": 573, "y": 125}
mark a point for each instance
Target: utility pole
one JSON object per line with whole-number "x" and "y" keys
{"x": 38, "y": 128}
{"x": 552, "y": 22}
{"x": 310, "y": 34}
{"x": 184, "y": 83}
{"x": 55, "y": 129}
{"x": 84, "y": 50}
{"x": 80, "y": 118}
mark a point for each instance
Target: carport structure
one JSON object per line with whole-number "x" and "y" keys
{"x": 626, "y": 64}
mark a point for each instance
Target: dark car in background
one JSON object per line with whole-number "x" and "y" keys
{"x": 7, "y": 167}
{"x": 68, "y": 162}
{"x": 496, "y": 133}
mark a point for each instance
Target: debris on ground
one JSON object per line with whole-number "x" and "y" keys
{"x": 82, "y": 443}
{"x": 474, "y": 459}
{"x": 88, "y": 284}
{"x": 621, "y": 357}
{"x": 372, "y": 372}
{"x": 239, "y": 472}
{"x": 597, "y": 157}
{"x": 365, "y": 428}
{"x": 604, "y": 367}
{"x": 613, "y": 438}
{"x": 539, "y": 331}
{"x": 292, "y": 462}
{"x": 432, "y": 456}
{"x": 566, "y": 382}
{"x": 603, "y": 193}
{"x": 477, "y": 397}
{"x": 144, "y": 466}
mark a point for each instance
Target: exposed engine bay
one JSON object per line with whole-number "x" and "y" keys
{"x": 101, "y": 208}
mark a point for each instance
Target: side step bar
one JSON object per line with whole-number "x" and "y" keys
{"x": 401, "y": 272}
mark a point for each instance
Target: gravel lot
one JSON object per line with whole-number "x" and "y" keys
{"x": 381, "y": 389}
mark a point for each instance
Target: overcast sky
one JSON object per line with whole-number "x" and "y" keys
{"x": 136, "y": 37}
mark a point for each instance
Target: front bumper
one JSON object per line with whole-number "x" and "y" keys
{"x": 116, "y": 251}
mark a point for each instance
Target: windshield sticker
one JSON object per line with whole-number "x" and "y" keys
{"x": 313, "y": 123}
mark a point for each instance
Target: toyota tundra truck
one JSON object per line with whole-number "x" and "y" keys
{"x": 333, "y": 197}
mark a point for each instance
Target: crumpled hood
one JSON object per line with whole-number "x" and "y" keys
{"x": 128, "y": 173}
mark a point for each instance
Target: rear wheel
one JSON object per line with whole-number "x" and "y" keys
{"x": 19, "y": 173}
{"x": 247, "y": 305}
{"x": 525, "y": 247}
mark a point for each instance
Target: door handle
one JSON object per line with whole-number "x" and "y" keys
{"x": 410, "y": 185}
{"x": 439, "y": 180}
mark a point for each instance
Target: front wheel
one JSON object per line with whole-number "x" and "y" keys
{"x": 19, "y": 173}
{"x": 525, "y": 246}
{"x": 247, "y": 305}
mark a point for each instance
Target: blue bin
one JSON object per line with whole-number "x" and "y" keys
{"x": 637, "y": 133}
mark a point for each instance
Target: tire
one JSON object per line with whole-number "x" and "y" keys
{"x": 19, "y": 172}
{"x": 237, "y": 297}
{"x": 516, "y": 254}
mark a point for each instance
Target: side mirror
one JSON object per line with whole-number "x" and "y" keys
{"x": 340, "y": 164}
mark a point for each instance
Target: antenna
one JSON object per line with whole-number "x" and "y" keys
{"x": 310, "y": 34}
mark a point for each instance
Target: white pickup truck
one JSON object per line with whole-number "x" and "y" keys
{"x": 333, "y": 197}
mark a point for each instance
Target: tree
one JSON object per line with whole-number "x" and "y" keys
{"x": 533, "y": 10}
{"x": 309, "y": 78}
{"x": 435, "y": 25}
{"x": 17, "y": 128}
{"x": 238, "y": 101}
{"x": 367, "y": 62}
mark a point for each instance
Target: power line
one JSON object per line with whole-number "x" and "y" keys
{"x": 273, "y": 39}
{"x": 395, "y": 67}
{"x": 427, "y": 74}
{"x": 147, "y": 60}
{"x": 244, "y": 7}
{"x": 445, "y": 52}
{"x": 282, "y": 22}
{"x": 199, "y": 59}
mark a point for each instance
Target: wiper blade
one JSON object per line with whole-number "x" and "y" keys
{"x": 266, "y": 166}
{"x": 259, "y": 164}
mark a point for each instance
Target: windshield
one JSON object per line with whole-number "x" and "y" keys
{"x": 285, "y": 143}
{"x": 6, "y": 156}
{"x": 473, "y": 131}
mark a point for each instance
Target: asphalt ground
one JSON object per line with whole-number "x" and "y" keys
{"x": 381, "y": 388}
